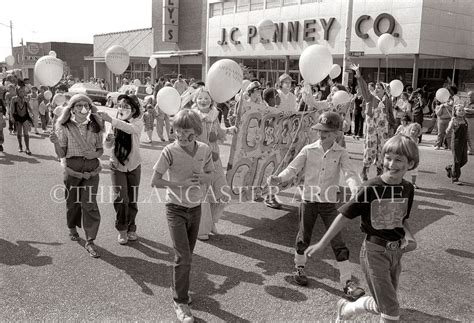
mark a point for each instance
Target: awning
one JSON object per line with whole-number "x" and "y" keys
{"x": 179, "y": 53}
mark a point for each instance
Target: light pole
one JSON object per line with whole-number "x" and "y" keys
{"x": 347, "y": 44}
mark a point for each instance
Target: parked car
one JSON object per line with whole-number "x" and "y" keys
{"x": 93, "y": 91}
{"x": 139, "y": 91}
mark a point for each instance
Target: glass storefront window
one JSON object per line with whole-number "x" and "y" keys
{"x": 273, "y": 3}
{"x": 216, "y": 9}
{"x": 256, "y": 5}
{"x": 242, "y": 5}
{"x": 229, "y": 8}
{"x": 290, "y": 2}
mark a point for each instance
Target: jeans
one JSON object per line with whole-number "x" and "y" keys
{"x": 125, "y": 204}
{"x": 44, "y": 120}
{"x": 183, "y": 224}
{"x": 382, "y": 269}
{"x": 160, "y": 123}
{"x": 22, "y": 129}
{"x": 308, "y": 213}
{"x": 81, "y": 197}
{"x": 359, "y": 125}
{"x": 442, "y": 134}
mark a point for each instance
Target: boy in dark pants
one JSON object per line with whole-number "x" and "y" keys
{"x": 189, "y": 165}
{"x": 384, "y": 206}
{"x": 322, "y": 162}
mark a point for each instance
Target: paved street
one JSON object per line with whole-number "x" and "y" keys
{"x": 243, "y": 274}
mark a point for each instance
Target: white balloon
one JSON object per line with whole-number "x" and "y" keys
{"x": 48, "y": 95}
{"x": 266, "y": 29}
{"x": 149, "y": 90}
{"x": 386, "y": 43}
{"x": 117, "y": 59}
{"x": 52, "y": 53}
{"x": 224, "y": 80}
{"x": 152, "y": 62}
{"x": 442, "y": 95}
{"x": 340, "y": 97}
{"x": 10, "y": 60}
{"x": 396, "y": 88}
{"x": 315, "y": 63}
{"x": 168, "y": 100}
{"x": 137, "y": 82}
{"x": 49, "y": 70}
{"x": 335, "y": 71}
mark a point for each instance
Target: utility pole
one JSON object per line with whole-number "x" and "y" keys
{"x": 347, "y": 44}
{"x": 11, "y": 35}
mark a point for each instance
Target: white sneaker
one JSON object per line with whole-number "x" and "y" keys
{"x": 203, "y": 237}
{"x": 122, "y": 237}
{"x": 183, "y": 312}
{"x": 132, "y": 236}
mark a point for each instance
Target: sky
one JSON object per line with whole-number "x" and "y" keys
{"x": 74, "y": 21}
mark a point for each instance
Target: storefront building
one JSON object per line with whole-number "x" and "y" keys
{"x": 179, "y": 39}
{"x": 72, "y": 54}
{"x": 434, "y": 38}
{"x": 138, "y": 43}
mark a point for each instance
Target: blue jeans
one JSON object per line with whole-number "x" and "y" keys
{"x": 382, "y": 269}
{"x": 308, "y": 214}
{"x": 183, "y": 224}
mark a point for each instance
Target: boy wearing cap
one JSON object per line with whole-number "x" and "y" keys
{"x": 322, "y": 162}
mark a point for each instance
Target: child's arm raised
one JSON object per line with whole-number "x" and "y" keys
{"x": 339, "y": 223}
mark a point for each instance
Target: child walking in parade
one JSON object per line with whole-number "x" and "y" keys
{"x": 125, "y": 164}
{"x": 78, "y": 138}
{"x": 189, "y": 166}
{"x": 212, "y": 134}
{"x": 384, "y": 205}
{"x": 380, "y": 124}
{"x": 21, "y": 114}
{"x": 413, "y": 131}
{"x": 459, "y": 143}
{"x": 149, "y": 121}
{"x": 322, "y": 163}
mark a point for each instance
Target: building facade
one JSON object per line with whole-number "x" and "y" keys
{"x": 72, "y": 54}
{"x": 434, "y": 38}
{"x": 179, "y": 40}
{"x": 138, "y": 43}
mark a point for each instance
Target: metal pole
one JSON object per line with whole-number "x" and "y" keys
{"x": 378, "y": 71}
{"x": 11, "y": 35}
{"x": 347, "y": 44}
{"x": 386, "y": 68}
{"x": 454, "y": 72}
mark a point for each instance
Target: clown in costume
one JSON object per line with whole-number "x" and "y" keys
{"x": 380, "y": 123}
{"x": 213, "y": 206}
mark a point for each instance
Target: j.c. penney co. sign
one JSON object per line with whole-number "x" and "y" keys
{"x": 296, "y": 30}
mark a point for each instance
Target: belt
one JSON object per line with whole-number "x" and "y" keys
{"x": 390, "y": 245}
{"x": 85, "y": 175}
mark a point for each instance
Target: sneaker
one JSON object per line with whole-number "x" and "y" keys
{"x": 214, "y": 229}
{"x": 203, "y": 237}
{"x": 273, "y": 203}
{"x": 183, "y": 312}
{"x": 28, "y": 152}
{"x": 416, "y": 186}
{"x": 353, "y": 291}
{"x": 340, "y": 308}
{"x": 457, "y": 182}
{"x": 162, "y": 139}
{"x": 132, "y": 236}
{"x": 300, "y": 276}
{"x": 437, "y": 148}
{"x": 122, "y": 237}
{"x": 73, "y": 235}
{"x": 20, "y": 149}
{"x": 92, "y": 250}
{"x": 448, "y": 171}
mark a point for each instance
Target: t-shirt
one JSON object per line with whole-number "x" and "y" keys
{"x": 180, "y": 166}
{"x": 382, "y": 207}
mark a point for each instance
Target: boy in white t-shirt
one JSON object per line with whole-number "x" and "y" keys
{"x": 189, "y": 166}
